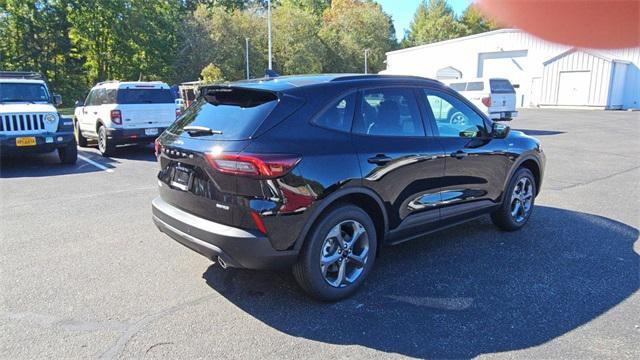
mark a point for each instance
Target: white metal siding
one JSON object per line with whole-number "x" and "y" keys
{"x": 600, "y": 73}
{"x": 463, "y": 54}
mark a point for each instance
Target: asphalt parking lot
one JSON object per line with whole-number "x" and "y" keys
{"x": 85, "y": 273}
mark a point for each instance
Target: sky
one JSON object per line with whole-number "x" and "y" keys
{"x": 402, "y": 12}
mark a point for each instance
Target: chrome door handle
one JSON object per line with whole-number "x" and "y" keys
{"x": 379, "y": 159}
{"x": 459, "y": 154}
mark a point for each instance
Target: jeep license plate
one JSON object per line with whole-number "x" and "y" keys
{"x": 181, "y": 178}
{"x": 151, "y": 132}
{"x": 26, "y": 141}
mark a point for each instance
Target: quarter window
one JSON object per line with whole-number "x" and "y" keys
{"x": 453, "y": 118}
{"x": 339, "y": 115}
{"x": 389, "y": 112}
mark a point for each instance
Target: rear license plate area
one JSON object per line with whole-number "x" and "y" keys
{"x": 182, "y": 178}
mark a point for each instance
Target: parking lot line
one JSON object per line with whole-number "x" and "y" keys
{"x": 96, "y": 164}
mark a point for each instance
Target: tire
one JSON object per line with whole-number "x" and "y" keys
{"x": 69, "y": 154}
{"x": 80, "y": 139}
{"x": 104, "y": 145}
{"x": 357, "y": 260}
{"x": 522, "y": 190}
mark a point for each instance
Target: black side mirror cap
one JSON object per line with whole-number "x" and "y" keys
{"x": 500, "y": 131}
{"x": 79, "y": 103}
{"x": 57, "y": 100}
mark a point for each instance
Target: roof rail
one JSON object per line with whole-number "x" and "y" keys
{"x": 30, "y": 75}
{"x": 108, "y": 82}
{"x": 349, "y": 77}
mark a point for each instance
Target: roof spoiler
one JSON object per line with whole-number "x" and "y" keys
{"x": 270, "y": 73}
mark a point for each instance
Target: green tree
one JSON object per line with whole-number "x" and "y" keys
{"x": 433, "y": 21}
{"x": 313, "y": 6}
{"x": 296, "y": 46}
{"x": 211, "y": 74}
{"x": 475, "y": 22}
{"x": 351, "y": 26}
{"x": 36, "y": 38}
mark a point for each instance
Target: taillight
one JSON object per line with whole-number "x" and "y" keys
{"x": 486, "y": 101}
{"x": 157, "y": 146}
{"x": 178, "y": 113}
{"x": 254, "y": 165}
{"x": 116, "y": 117}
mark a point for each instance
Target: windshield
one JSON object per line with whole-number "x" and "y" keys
{"x": 23, "y": 92}
{"x": 145, "y": 96}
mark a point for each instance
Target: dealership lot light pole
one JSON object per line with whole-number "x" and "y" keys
{"x": 269, "y": 29}
{"x": 246, "y": 52}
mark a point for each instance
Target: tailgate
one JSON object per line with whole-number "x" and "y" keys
{"x": 147, "y": 116}
{"x": 189, "y": 183}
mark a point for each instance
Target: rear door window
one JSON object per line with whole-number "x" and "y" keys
{"x": 236, "y": 112}
{"x": 501, "y": 86}
{"x": 339, "y": 115}
{"x": 475, "y": 86}
{"x": 145, "y": 96}
{"x": 389, "y": 112}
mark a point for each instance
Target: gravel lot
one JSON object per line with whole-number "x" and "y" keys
{"x": 85, "y": 273}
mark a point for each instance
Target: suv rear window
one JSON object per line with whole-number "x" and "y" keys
{"x": 501, "y": 87}
{"x": 475, "y": 86}
{"x": 458, "y": 86}
{"x": 236, "y": 112}
{"x": 145, "y": 96}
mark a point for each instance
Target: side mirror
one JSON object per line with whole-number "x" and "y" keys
{"x": 79, "y": 103}
{"x": 500, "y": 131}
{"x": 57, "y": 100}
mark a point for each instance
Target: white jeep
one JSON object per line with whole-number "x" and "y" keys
{"x": 116, "y": 113}
{"x": 29, "y": 121}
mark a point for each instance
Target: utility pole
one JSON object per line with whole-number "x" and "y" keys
{"x": 366, "y": 64}
{"x": 246, "y": 40}
{"x": 269, "y": 29}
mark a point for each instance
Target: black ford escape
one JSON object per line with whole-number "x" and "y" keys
{"x": 320, "y": 172}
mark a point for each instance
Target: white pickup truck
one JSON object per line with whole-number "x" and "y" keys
{"x": 116, "y": 113}
{"x": 496, "y": 97}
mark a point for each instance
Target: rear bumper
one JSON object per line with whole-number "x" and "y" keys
{"x": 131, "y": 136}
{"x": 237, "y": 247}
{"x": 503, "y": 115}
{"x": 45, "y": 142}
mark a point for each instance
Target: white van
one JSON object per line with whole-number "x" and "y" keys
{"x": 496, "y": 97}
{"x": 117, "y": 113}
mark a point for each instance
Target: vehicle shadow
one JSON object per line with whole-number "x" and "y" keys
{"x": 460, "y": 293}
{"x": 38, "y": 165}
{"x": 540, "y": 132}
{"x": 127, "y": 152}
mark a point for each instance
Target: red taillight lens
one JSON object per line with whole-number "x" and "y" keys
{"x": 178, "y": 113}
{"x": 263, "y": 165}
{"x": 158, "y": 147}
{"x": 486, "y": 101}
{"x": 116, "y": 117}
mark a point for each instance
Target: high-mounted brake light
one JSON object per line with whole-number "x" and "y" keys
{"x": 486, "y": 101}
{"x": 116, "y": 117}
{"x": 253, "y": 165}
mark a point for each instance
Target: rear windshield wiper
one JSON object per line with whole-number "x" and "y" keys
{"x": 201, "y": 131}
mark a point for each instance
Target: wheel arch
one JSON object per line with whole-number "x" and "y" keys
{"x": 362, "y": 197}
{"x": 531, "y": 163}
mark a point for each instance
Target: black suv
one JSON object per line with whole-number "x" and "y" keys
{"x": 320, "y": 172}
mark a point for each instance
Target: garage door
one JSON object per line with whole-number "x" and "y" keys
{"x": 574, "y": 88}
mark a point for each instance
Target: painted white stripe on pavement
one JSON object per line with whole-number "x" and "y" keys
{"x": 96, "y": 164}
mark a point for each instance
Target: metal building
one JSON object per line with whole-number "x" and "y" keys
{"x": 543, "y": 73}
